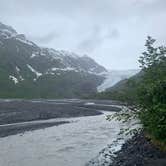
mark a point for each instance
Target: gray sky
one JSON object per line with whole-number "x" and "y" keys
{"x": 113, "y": 32}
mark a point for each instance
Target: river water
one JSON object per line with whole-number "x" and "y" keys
{"x": 72, "y": 144}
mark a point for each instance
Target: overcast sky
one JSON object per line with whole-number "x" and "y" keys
{"x": 113, "y": 32}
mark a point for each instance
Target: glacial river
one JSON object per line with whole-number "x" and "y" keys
{"x": 72, "y": 144}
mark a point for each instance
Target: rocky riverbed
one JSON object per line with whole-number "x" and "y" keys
{"x": 137, "y": 151}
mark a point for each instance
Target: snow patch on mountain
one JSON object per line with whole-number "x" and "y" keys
{"x": 18, "y": 72}
{"x": 64, "y": 69}
{"x": 38, "y": 74}
{"x": 17, "y": 69}
{"x": 33, "y": 55}
{"x": 14, "y": 79}
{"x": 21, "y": 78}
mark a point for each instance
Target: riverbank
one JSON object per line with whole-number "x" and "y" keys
{"x": 139, "y": 151}
{"x": 136, "y": 151}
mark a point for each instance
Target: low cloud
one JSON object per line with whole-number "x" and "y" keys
{"x": 45, "y": 39}
{"x": 96, "y": 38}
{"x": 112, "y": 32}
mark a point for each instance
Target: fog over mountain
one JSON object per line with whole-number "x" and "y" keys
{"x": 111, "y": 32}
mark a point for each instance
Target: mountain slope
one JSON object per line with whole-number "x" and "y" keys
{"x": 27, "y": 70}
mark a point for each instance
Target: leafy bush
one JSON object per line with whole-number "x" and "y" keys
{"x": 152, "y": 90}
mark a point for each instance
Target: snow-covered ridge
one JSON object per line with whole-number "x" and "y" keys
{"x": 69, "y": 61}
{"x": 53, "y": 61}
{"x": 24, "y": 40}
{"x": 7, "y": 32}
{"x": 59, "y": 54}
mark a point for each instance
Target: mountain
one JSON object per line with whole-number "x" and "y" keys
{"x": 30, "y": 71}
{"x": 114, "y": 76}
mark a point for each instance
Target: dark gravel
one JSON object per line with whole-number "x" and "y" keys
{"x": 24, "y": 110}
{"x": 16, "y": 129}
{"x": 19, "y": 111}
{"x": 139, "y": 151}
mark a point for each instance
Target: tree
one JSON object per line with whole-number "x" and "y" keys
{"x": 152, "y": 90}
{"x": 148, "y": 92}
{"x": 153, "y": 55}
